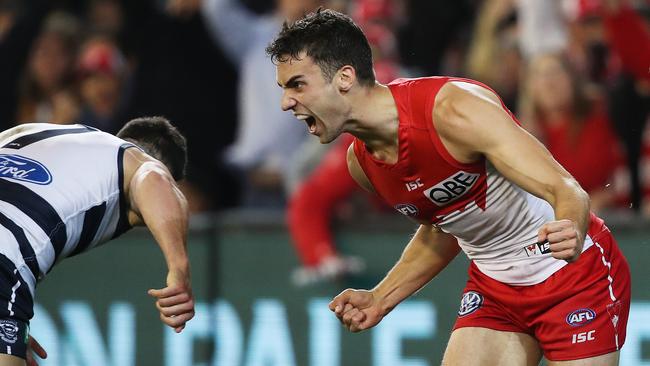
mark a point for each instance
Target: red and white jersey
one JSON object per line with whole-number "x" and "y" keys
{"x": 496, "y": 222}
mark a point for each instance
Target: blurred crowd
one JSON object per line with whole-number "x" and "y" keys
{"x": 575, "y": 72}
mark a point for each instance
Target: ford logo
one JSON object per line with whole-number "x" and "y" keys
{"x": 580, "y": 317}
{"x": 23, "y": 169}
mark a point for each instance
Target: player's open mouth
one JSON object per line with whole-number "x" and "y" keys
{"x": 311, "y": 124}
{"x": 309, "y": 120}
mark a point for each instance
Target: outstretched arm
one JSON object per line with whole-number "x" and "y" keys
{"x": 472, "y": 122}
{"x": 428, "y": 253}
{"x": 159, "y": 204}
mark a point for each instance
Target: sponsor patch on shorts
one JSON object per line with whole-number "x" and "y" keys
{"x": 471, "y": 302}
{"x": 9, "y": 330}
{"x": 580, "y": 317}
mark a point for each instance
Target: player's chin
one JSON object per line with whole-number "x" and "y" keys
{"x": 326, "y": 138}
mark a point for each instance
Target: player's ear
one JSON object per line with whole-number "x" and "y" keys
{"x": 345, "y": 77}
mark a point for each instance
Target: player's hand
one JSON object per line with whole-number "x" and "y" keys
{"x": 33, "y": 347}
{"x": 564, "y": 239}
{"x": 357, "y": 309}
{"x": 175, "y": 302}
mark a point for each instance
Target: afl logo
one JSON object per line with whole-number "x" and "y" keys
{"x": 471, "y": 302}
{"x": 24, "y": 169}
{"x": 407, "y": 209}
{"x": 580, "y": 317}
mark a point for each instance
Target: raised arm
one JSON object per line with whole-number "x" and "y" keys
{"x": 232, "y": 26}
{"x": 157, "y": 202}
{"x": 429, "y": 252}
{"x": 472, "y": 123}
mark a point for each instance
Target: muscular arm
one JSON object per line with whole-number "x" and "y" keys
{"x": 472, "y": 123}
{"x": 161, "y": 206}
{"x": 429, "y": 252}
{"x": 424, "y": 257}
{"x": 156, "y": 202}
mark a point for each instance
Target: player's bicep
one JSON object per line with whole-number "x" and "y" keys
{"x": 482, "y": 125}
{"x": 357, "y": 172}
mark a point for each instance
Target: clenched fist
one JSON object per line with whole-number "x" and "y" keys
{"x": 357, "y": 309}
{"x": 564, "y": 239}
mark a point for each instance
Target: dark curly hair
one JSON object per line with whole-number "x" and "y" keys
{"x": 331, "y": 39}
{"x": 160, "y": 139}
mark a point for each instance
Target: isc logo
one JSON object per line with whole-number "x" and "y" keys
{"x": 584, "y": 337}
{"x": 580, "y": 317}
{"x": 413, "y": 185}
{"x": 451, "y": 188}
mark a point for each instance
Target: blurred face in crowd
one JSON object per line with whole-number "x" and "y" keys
{"x": 102, "y": 66}
{"x": 50, "y": 61}
{"x": 106, "y": 15}
{"x": 101, "y": 92}
{"x": 311, "y": 98}
{"x": 551, "y": 86}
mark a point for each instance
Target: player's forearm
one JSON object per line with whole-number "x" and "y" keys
{"x": 424, "y": 257}
{"x": 571, "y": 202}
{"x": 164, "y": 210}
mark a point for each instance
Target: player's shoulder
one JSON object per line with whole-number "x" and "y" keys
{"x": 419, "y": 81}
{"x": 458, "y": 91}
{"x": 458, "y": 97}
{"x": 136, "y": 161}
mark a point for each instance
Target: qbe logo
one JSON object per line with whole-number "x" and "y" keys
{"x": 451, "y": 188}
{"x": 471, "y": 302}
{"x": 580, "y": 317}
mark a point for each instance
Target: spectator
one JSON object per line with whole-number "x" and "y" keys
{"x": 102, "y": 73}
{"x": 266, "y": 137}
{"x": 629, "y": 92}
{"x": 309, "y": 216}
{"x": 178, "y": 72}
{"x": 46, "y": 92}
{"x": 575, "y": 130}
{"x": 493, "y": 55}
{"x": 106, "y": 17}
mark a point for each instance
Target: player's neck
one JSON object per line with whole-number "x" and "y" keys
{"x": 374, "y": 119}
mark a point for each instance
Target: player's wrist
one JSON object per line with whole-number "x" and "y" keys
{"x": 180, "y": 267}
{"x": 381, "y": 301}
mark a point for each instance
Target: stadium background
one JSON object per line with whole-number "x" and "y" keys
{"x": 247, "y": 313}
{"x": 101, "y": 62}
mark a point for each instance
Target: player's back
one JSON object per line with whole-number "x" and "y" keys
{"x": 61, "y": 192}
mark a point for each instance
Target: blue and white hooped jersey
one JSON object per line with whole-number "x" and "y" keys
{"x": 61, "y": 193}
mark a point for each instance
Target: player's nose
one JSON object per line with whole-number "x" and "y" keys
{"x": 287, "y": 102}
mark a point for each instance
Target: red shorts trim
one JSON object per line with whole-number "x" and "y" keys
{"x": 580, "y": 311}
